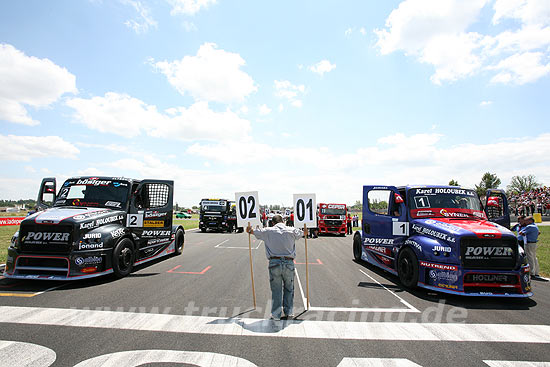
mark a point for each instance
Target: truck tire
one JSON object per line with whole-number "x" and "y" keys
{"x": 123, "y": 258}
{"x": 407, "y": 268}
{"x": 357, "y": 248}
{"x": 203, "y": 230}
{"x": 180, "y": 241}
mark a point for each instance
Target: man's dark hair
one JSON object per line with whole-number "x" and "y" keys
{"x": 276, "y": 219}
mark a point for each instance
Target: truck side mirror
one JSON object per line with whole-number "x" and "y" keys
{"x": 46, "y": 194}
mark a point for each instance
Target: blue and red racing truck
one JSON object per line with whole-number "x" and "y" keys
{"x": 440, "y": 238}
{"x": 95, "y": 226}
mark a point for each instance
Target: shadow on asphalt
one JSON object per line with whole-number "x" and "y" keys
{"x": 472, "y": 303}
{"x": 33, "y": 286}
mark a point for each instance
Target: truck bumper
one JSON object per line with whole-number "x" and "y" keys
{"x": 77, "y": 265}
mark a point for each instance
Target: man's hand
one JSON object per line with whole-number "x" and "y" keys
{"x": 249, "y": 229}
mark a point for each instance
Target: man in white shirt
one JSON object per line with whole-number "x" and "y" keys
{"x": 280, "y": 250}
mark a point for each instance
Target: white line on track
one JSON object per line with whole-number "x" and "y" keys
{"x": 221, "y": 243}
{"x": 49, "y": 289}
{"x": 410, "y": 307}
{"x": 516, "y": 364}
{"x": 239, "y": 247}
{"x": 407, "y": 331}
{"x": 19, "y": 354}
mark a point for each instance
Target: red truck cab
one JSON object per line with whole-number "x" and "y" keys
{"x": 332, "y": 218}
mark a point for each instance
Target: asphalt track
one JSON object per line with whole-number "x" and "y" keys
{"x": 197, "y": 310}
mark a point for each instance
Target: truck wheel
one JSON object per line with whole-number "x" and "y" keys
{"x": 123, "y": 258}
{"x": 357, "y": 250}
{"x": 407, "y": 268}
{"x": 203, "y": 230}
{"x": 179, "y": 242}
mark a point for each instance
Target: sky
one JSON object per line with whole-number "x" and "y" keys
{"x": 278, "y": 97}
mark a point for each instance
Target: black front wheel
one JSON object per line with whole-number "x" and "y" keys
{"x": 357, "y": 246}
{"x": 407, "y": 268}
{"x": 179, "y": 242}
{"x": 123, "y": 258}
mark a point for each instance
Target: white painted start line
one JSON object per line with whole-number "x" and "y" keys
{"x": 309, "y": 329}
{"x": 19, "y": 354}
{"x": 137, "y": 358}
{"x": 410, "y": 308}
{"x": 219, "y": 245}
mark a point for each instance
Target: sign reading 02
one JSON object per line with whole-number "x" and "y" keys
{"x": 248, "y": 208}
{"x": 305, "y": 210}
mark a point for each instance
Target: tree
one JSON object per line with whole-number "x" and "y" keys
{"x": 453, "y": 182}
{"x": 488, "y": 181}
{"x": 520, "y": 184}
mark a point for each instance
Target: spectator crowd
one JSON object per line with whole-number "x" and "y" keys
{"x": 530, "y": 202}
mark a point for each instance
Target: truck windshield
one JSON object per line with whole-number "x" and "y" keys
{"x": 214, "y": 206}
{"x": 327, "y": 211}
{"x": 93, "y": 193}
{"x": 445, "y": 203}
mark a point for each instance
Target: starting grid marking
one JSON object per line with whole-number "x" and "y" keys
{"x": 308, "y": 329}
{"x": 188, "y": 272}
{"x": 219, "y": 245}
{"x": 410, "y": 308}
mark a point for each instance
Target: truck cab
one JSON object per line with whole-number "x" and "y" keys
{"x": 440, "y": 238}
{"x": 214, "y": 214}
{"x": 94, "y": 226}
{"x": 332, "y": 218}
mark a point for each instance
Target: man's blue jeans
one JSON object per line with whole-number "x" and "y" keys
{"x": 281, "y": 280}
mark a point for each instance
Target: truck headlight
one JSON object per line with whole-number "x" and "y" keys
{"x": 15, "y": 239}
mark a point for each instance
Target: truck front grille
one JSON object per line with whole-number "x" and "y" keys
{"x": 486, "y": 253}
{"x": 51, "y": 239}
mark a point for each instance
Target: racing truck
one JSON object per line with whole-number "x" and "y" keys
{"x": 332, "y": 218}
{"x": 94, "y": 226}
{"x": 214, "y": 214}
{"x": 440, "y": 238}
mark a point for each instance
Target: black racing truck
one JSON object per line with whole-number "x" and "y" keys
{"x": 95, "y": 226}
{"x": 214, "y": 214}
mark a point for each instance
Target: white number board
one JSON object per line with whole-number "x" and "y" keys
{"x": 400, "y": 228}
{"x": 248, "y": 208}
{"x": 305, "y": 210}
{"x": 134, "y": 220}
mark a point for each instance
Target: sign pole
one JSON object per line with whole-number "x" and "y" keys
{"x": 307, "y": 269}
{"x": 251, "y": 271}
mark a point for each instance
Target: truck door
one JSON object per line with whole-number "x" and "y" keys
{"x": 150, "y": 216}
{"x": 384, "y": 222}
{"x": 496, "y": 207}
{"x": 46, "y": 194}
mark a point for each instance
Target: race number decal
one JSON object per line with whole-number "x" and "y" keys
{"x": 400, "y": 228}
{"x": 248, "y": 208}
{"x": 134, "y": 220}
{"x": 422, "y": 202}
{"x": 305, "y": 210}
